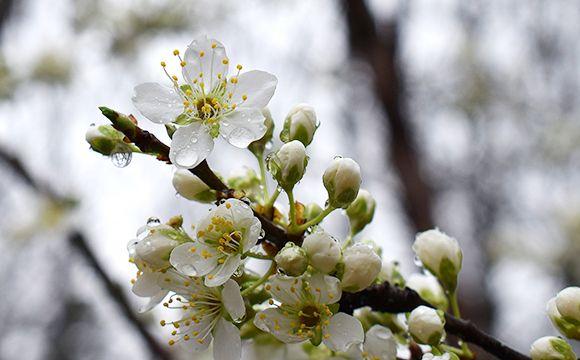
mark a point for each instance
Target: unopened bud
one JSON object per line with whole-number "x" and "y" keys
{"x": 429, "y": 289}
{"x": 288, "y": 164}
{"x": 361, "y": 267}
{"x": 257, "y": 147}
{"x": 191, "y": 187}
{"x": 570, "y": 329}
{"x": 311, "y": 211}
{"x": 441, "y": 255}
{"x": 360, "y": 213}
{"x": 247, "y": 180}
{"x": 568, "y": 303}
{"x": 292, "y": 260}
{"x": 391, "y": 272}
{"x": 322, "y": 250}
{"x": 104, "y": 139}
{"x": 551, "y": 348}
{"x": 300, "y": 124}
{"x": 426, "y": 325}
{"x": 342, "y": 181}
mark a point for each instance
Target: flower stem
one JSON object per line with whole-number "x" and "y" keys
{"x": 262, "y": 164}
{"x": 457, "y": 313}
{"x": 272, "y": 200}
{"x": 292, "y": 227}
{"x": 348, "y": 240}
{"x": 316, "y": 220}
{"x": 261, "y": 280}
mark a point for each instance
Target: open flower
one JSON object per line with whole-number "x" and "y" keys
{"x": 208, "y": 315}
{"x": 207, "y": 103}
{"x": 151, "y": 256}
{"x": 223, "y": 237}
{"x": 304, "y": 313}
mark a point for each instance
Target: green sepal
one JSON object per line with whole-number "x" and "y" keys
{"x": 448, "y": 275}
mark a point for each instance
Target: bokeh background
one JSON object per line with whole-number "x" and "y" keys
{"x": 463, "y": 115}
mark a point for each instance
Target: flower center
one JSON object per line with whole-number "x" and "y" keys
{"x": 310, "y": 315}
{"x": 229, "y": 243}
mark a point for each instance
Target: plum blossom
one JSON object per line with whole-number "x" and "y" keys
{"x": 206, "y": 103}
{"x": 208, "y": 314}
{"x": 304, "y": 313}
{"x": 223, "y": 237}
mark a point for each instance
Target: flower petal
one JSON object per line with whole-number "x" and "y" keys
{"x": 272, "y": 320}
{"x": 258, "y": 86}
{"x": 342, "y": 331}
{"x": 232, "y": 300}
{"x": 210, "y": 64}
{"x": 286, "y": 289}
{"x": 227, "y": 343}
{"x": 252, "y": 234}
{"x": 380, "y": 343}
{"x": 153, "y": 301}
{"x": 158, "y": 103}
{"x": 325, "y": 288}
{"x": 190, "y": 145}
{"x": 199, "y": 333}
{"x": 146, "y": 284}
{"x": 182, "y": 259}
{"x": 243, "y": 126}
{"x": 223, "y": 272}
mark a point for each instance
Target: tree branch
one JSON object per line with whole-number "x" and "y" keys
{"x": 392, "y": 299}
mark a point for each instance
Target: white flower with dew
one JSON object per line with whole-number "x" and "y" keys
{"x": 426, "y": 325}
{"x": 151, "y": 256}
{"x": 303, "y": 313}
{"x": 208, "y": 314}
{"x": 227, "y": 233}
{"x": 207, "y": 103}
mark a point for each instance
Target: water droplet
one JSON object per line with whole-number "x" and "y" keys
{"x": 92, "y": 124}
{"x": 269, "y": 145}
{"x": 153, "y": 221}
{"x": 194, "y": 139}
{"x": 221, "y": 201}
{"x": 186, "y": 157}
{"x": 262, "y": 234}
{"x": 417, "y": 261}
{"x": 121, "y": 159}
{"x": 241, "y": 137}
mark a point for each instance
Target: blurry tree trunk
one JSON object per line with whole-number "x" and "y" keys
{"x": 379, "y": 51}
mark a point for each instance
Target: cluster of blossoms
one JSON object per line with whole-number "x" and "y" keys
{"x": 205, "y": 275}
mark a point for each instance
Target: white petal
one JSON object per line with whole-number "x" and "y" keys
{"x": 325, "y": 288}
{"x": 344, "y": 330}
{"x": 258, "y": 86}
{"x": 182, "y": 259}
{"x": 203, "y": 329}
{"x": 146, "y": 284}
{"x": 232, "y": 300}
{"x": 243, "y": 126}
{"x": 178, "y": 283}
{"x": 153, "y": 301}
{"x": 272, "y": 320}
{"x": 158, "y": 103}
{"x": 286, "y": 289}
{"x": 190, "y": 145}
{"x": 238, "y": 210}
{"x": 204, "y": 264}
{"x": 381, "y": 343}
{"x": 223, "y": 272}
{"x": 252, "y": 234}
{"x": 227, "y": 344}
{"x": 210, "y": 64}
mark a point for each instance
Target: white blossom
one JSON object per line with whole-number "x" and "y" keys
{"x": 223, "y": 237}
{"x": 568, "y": 303}
{"x": 342, "y": 182}
{"x": 323, "y": 251}
{"x": 304, "y": 312}
{"x": 426, "y": 325}
{"x": 551, "y": 348}
{"x": 288, "y": 164}
{"x": 361, "y": 267}
{"x": 300, "y": 124}
{"x": 191, "y": 187}
{"x": 292, "y": 260}
{"x": 206, "y": 103}
{"x": 208, "y": 312}
{"x": 441, "y": 255}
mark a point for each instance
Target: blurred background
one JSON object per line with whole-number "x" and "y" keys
{"x": 462, "y": 114}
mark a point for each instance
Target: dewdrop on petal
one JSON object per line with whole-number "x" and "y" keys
{"x": 361, "y": 267}
{"x": 300, "y": 124}
{"x": 426, "y": 325}
{"x": 441, "y": 255}
{"x": 551, "y": 348}
{"x": 322, "y": 250}
{"x": 342, "y": 181}
{"x": 292, "y": 260}
{"x": 288, "y": 164}
{"x": 191, "y": 187}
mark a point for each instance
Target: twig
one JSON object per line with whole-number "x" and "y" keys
{"x": 392, "y": 299}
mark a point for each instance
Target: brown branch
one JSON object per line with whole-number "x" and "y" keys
{"x": 392, "y": 299}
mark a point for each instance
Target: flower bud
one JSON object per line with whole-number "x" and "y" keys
{"x": 390, "y": 271}
{"x": 288, "y": 164}
{"x": 311, "y": 211}
{"x": 104, "y": 139}
{"x": 568, "y": 303}
{"x": 292, "y": 260}
{"x": 342, "y": 181}
{"x": 361, "y": 267}
{"x": 247, "y": 180}
{"x": 441, "y": 255}
{"x": 551, "y": 348}
{"x": 360, "y": 213}
{"x": 191, "y": 187}
{"x": 257, "y": 147}
{"x": 152, "y": 252}
{"x": 322, "y": 250}
{"x": 426, "y": 325}
{"x": 429, "y": 289}
{"x": 300, "y": 124}
{"x": 570, "y": 329}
